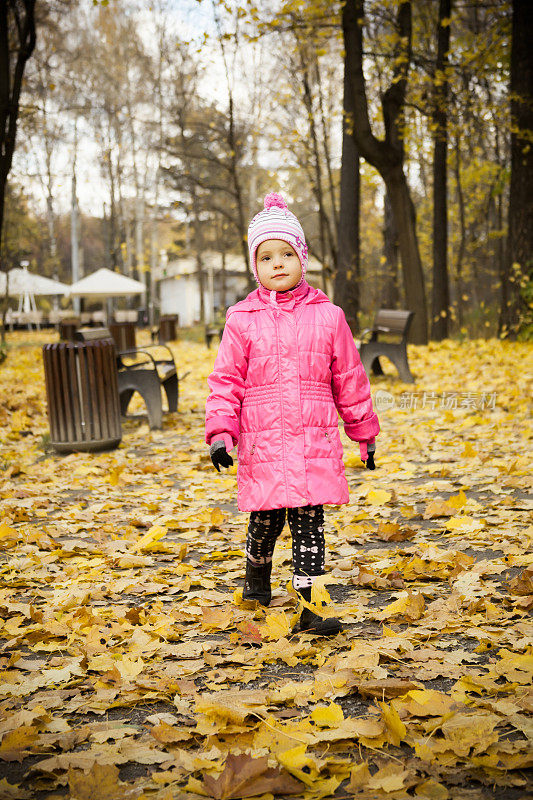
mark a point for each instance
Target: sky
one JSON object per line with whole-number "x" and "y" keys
{"x": 188, "y": 18}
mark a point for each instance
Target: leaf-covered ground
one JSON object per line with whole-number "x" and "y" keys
{"x": 130, "y": 667}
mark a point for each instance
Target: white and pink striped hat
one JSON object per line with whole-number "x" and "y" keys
{"x": 276, "y": 222}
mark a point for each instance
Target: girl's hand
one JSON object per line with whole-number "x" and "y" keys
{"x": 219, "y": 455}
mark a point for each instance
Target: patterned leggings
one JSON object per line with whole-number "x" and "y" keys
{"x": 307, "y": 530}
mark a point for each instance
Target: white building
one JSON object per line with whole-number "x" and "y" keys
{"x": 179, "y": 290}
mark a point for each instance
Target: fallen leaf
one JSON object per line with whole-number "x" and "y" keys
{"x": 410, "y": 606}
{"x": 327, "y": 716}
{"x": 99, "y": 783}
{"x": 389, "y": 778}
{"x": 244, "y": 776}
{"x": 522, "y": 584}
{"x": 393, "y": 532}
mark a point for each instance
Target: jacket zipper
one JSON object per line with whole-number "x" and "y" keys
{"x": 283, "y": 452}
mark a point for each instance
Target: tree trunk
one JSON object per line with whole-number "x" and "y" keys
{"x": 198, "y": 248}
{"x": 223, "y": 288}
{"x": 15, "y": 50}
{"x": 347, "y": 276}
{"x": 459, "y": 284}
{"x": 50, "y": 215}
{"x": 440, "y": 307}
{"x": 519, "y": 251}
{"x": 112, "y": 212}
{"x": 75, "y": 225}
{"x": 138, "y": 271}
{"x": 404, "y": 217}
{"x": 317, "y": 181}
{"x": 334, "y": 226}
{"x": 242, "y": 229}
{"x": 139, "y": 238}
{"x": 391, "y": 293}
{"x": 153, "y": 302}
{"x": 387, "y": 155}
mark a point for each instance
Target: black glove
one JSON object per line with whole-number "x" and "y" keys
{"x": 369, "y": 463}
{"x": 219, "y": 455}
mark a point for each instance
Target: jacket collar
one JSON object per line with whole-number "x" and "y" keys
{"x": 284, "y": 300}
{"x": 262, "y": 298}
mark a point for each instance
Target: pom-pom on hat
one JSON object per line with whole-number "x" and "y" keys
{"x": 276, "y": 222}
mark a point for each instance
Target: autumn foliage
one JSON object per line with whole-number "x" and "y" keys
{"x": 130, "y": 667}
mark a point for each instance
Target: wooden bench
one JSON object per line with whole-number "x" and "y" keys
{"x": 140, "y": 370}
{"x": 396, "y": 324}
{"x": 213, "y": 330}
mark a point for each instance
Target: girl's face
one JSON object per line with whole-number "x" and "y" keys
{"x": 278, "y": 266}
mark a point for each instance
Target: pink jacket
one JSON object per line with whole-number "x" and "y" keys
{"x": 286, "y": 364}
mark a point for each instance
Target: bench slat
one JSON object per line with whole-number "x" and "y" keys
{"x": 389, "y": 320}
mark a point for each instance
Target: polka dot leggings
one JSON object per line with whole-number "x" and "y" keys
{"x": 307, "y": 530}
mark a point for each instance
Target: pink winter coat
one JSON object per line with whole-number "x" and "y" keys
{"x": 286, "y": 364}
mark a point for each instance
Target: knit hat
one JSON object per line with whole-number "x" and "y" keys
{"x": 276, "y": 222}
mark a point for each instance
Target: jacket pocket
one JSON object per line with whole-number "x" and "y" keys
{"x": 332, "y": 442}
{"x": 251, "y": 453}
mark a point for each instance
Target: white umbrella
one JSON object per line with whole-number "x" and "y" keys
{"x": 104, "y": 283}
{"x": 21, "y": 282}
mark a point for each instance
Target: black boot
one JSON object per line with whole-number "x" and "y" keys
{"x": 312, "y": 623}
{"x": 257, "y": 583}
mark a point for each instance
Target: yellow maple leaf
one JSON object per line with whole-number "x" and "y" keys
{"x": 457, "y": 500}
{"x": 410, "y": 605}
{"x": 276, "y": 625}
{"x": 463, "y": 524}
{"x": 153, "y": 535}
{"x": 425, "y": 703}
{"x": 352, "y": 460}
{"x": 295, "y": 761}
{"x": 217, "y": 517}
{"x": 464, "y": 732}
{"x": 319, "y": 593}
{"x": 114, "y": 474}
{"x": 18, "y": 739}
{"x": 327, "y": 716}
{"x": 359, "y": 776}
{"x": 6, "y": 532}
{"x": 432, "y": 790}
{"x": 99, "y": 783}
{"x": 378, "y": 497}
{"x": 101, "y": 663}
{"x": 389, "y": 778}
{"x": 396, "y": 730}
{"x": 438, "y": 508}
{"x": 129, "y": 668}
{"x": 469, "y": 451}
{"x": 321, "y": 602}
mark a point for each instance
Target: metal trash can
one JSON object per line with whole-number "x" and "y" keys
{"x": 167, "y": 328}
{"x": 82, "y": 395}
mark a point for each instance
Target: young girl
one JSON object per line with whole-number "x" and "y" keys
{"x": 286, "y": 364}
